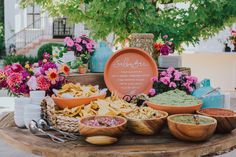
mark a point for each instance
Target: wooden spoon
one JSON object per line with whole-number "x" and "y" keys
{"x": 101, "y": 140}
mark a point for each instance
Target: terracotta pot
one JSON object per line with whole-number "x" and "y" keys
{"x": 83, "y": 69}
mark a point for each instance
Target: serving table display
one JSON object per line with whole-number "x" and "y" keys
{"x": 130, "y": 145}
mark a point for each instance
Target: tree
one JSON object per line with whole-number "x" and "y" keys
{"x": 201, "y": 19}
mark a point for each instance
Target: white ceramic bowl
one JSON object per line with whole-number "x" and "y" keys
{"x": 37, "y": 93}
{"x": 19, "y": 121}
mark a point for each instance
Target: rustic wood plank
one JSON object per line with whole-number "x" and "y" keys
{"x": 129, "y": 145}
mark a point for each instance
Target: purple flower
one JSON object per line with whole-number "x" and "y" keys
{"x": 47, "y": 66}
{"x": 154, "y": 79}
{"x": 152, "y": 91}
{"x": 25, "y": 74}
{"x": 46, "y": 55}
{"x": 165, "y": 50}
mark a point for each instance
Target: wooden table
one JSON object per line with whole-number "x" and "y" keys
{"x": 129, "y": 145}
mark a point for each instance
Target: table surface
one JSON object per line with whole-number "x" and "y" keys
{"x": 129, "y": 145}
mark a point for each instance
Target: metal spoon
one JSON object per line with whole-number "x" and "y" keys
{"x": 33, "y": 127}
{"x": 43, "y": 124}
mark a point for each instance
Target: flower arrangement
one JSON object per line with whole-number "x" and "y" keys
{"x": 44, "y": 75}
{"x": 14, "y": 78}
{"x": 82, "y": 46}
{"x": 47, "y": 75}
{"x": 232, "y": 37}
{"x": 172, "y": 79}
{"x": 164, "y": 46}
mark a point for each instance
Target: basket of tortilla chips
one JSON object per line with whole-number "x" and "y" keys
{"x": 68, "y": 119}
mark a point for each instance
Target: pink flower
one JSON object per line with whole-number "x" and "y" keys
{"x": 84, "y": 42}
{"x": 32, "y": 83}
{"x": 37, "y": 71}
{"x": 67, "y": 39}
{"x": 70, "y": 43}
{"x": 90, "y": 50}
{"x": 91, "y": 42}
{"x": 78, "y": 47}
{"x": 165, "y": 80}
{"x": 154, "y": 79}
{"x": 8, "y": 70}
{"x": 78, "y": 40}
{"x": 177, "y": 75}
{"x": 14, "y": 79}
{"x": 172, "y": 84}
{"x": 165, "y": 36}
{"x": 152, "y": 92}
{"x": 52, "y": 75}
{"x": 42, "y": 83}
{"x": 190, "y": 89}
{"x": 16, "y": 67}
{"x": 170, "y": 70}
{"x": 191, "y": 79}
{"x": 163, "y": 73}
{"x": 89, "y": 46}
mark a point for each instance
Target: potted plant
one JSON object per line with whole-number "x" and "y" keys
{"x": 171, "y": 79}
{"x": 83, "y": 48}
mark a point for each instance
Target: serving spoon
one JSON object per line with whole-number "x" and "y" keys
{"x": 43, "y": 124}
{"x": 33, "y": 127}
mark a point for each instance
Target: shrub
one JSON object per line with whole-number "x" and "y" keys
{"x": 47, "y": 48}
{"x": 10, "y": 59}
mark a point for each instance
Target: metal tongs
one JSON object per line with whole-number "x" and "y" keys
{"x": 43, "y": 124}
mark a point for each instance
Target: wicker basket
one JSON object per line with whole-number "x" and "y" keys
{"x": 64, "y": 123}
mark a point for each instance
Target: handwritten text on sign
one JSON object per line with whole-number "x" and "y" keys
{"x": 131, "y": 73}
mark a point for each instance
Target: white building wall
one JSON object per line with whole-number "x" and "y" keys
{"x": 214, "y": 43}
